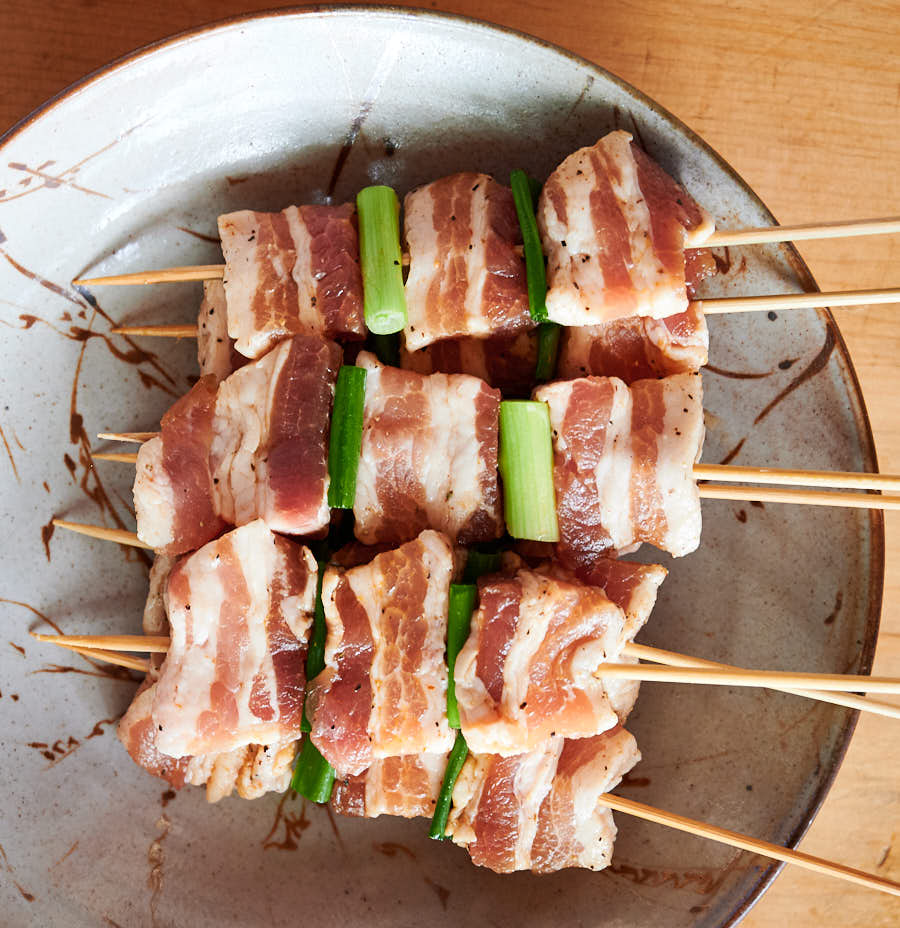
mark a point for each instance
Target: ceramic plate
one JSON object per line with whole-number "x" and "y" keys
{"x": 128, "y": 170}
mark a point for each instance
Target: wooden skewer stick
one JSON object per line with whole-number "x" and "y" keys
{"x": 840, "y": 683}
{"x": 120, "y": 536}
{"x": 731, "y": 472}
{"x": 159, "y": 644}
{"x": 165, "y": 275}
{"x": 721, "y": 305}
{"x": 850, "y": 700}
{"x": 147, "y": 644}
{"x": 110, "y": 657}
{"x": 139, "y": 437}
{"x": 165, "y": 331}
{"x": 834, "y": 479}
{"x": 746, "y": 843}
{"x": 806, "y": 232}
{"x": 753, "y": 304}
{"x": 803, "y": 497}
{"x": 124, "y": 457}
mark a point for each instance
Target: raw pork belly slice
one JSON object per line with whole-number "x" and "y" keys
{"x": 383, "y": 692}
{"x": 252, "y": 770}
{"x": 429, "y": 457}
{"x": 528, "y": 670}
{"x": 292, "y": 273}
{"x": 407, "y": 786}
{"x": 465, "y": 277}
{"x": 269, "y": 454}
{"x": 173, "y": 487}
{"x": 255, "y": 447}
{"x": 540, "y": 811}
{"x": 239, "y": 609}
{"x": 615, "y": 227}
{"x": 505, "y": 362}
{"x": 215, "y": 348}
{"x": 635, "y": 348}
{"x": 623, "y": 464}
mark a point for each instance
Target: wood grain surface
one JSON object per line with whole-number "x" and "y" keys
{"x": 803, "y": 99}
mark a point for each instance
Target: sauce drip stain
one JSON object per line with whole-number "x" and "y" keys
{"x": 294, "y": 825}
{"x": 735, "y": 451}
{"x": 205, "y": 238}
{"x": 813, "y": 368}
{"x": 392, "y": 849}
{"x": 442, "y": 892}
{"x": 9, "y": 454}
{"x": 838, "y": 602}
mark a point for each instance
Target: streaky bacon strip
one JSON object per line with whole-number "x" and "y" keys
{"x": 252, "y": 770}
{"x": 465, "y": 277}
{"x": 428, "y": 458}
{"x": 384, "y": 688}
{"x": 292, "y": 273}
{"x": 505, "y": 362}
{"x": 623, "y": 464}
{"x": 240, "y": 609}
{"x": 173, "y": 487}
{"x": 215, "y": 348}
{"x": 528, "y": 670}
{"x": 615, "y": 227}
{"x": 539, "y": 811}
{"x": 406, "y": 786}
{"x": 255, "y": 446}
{"x": 635, "y": 348}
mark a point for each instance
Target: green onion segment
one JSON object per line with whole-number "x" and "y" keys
{"x": 526, "y": 466}
{"x": 459, "y": 616}
{"x": 534, "y": 255}
{"x": 346, "y": 436}
{"x": 313, "y": 776}
{"x": 480, "y": 562}
{"x": 387, "y": 349}
{"x": 442, "y": 807}
{"x": 548, "y": 347}
{"x": 379, "y": 252}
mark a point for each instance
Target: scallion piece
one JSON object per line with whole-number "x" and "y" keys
{"x": 346, "y": 436}
{"x": 387, "y": 349}
{"x": 442, "y": 807}
{"x": 459, "y": 617}
{"x": 526, "y": 466}
{"x": 313, "y": 776}
{"x": 379, "y": 252}
{"x": 548, "y": 346}
{"x": 534, "y": 255}
{"x": 315, "y": 652}
{"x": 480, "y": 562}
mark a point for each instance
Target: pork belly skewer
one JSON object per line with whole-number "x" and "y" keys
{"x": 109, "y": 647}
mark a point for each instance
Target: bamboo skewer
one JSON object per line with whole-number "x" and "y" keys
{"x": 159, "y": 644}
{"x": 744, "y": 493}
{"x": 805, "y": 232}
{"x": 118, "y": 535}
{"x": 798, "y": 233}
{"x": 800, "y": 496}
{"x": 786, "y": 301}
{"x": 746, "y": 843}
{"x": 147, "y": 644}
{"x": 840, "y": 683}
{"x": 139, "y": 437}
{"x": 833, "y": 480}
{"x": 850, "y": 700}
{"x": 718, "y": 306}
{"x": 110, "y": 657}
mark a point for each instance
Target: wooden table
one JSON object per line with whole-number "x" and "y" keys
{"x": 803, "y": 98}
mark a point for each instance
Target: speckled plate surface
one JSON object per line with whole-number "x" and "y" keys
{"x": 128, "y": 171}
